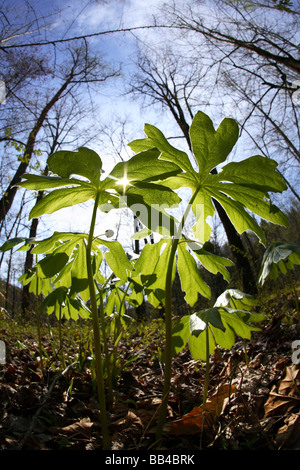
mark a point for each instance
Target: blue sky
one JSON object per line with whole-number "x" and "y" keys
{"x": 68, "y": 18}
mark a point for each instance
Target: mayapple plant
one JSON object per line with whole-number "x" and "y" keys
{"x": 240, "y": 187}
{"x": 77, "y": 179}
{"x": 147, "y": 184}
{"x": 281, "y": 257}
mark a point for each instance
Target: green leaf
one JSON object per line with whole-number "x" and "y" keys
{"x": 180, "y": 334}
{"x": 210, "y": 315}
{"x": 55, "y": 298}
{"x": 240, "y": 187}
{"x": 236, "y": 299}
{"x": 38, "y": 182}
{"x": 157, "y": 140}
{"x": 116, "y": 258}
{"x": 84, "y": 162}
{"x": 13, "y": 242}
{"x": 252, "y": 199}
{"x": 212, "y": 147}
{"x": 278, "y": 255}
{"x": 61, "y": 198}
{"x": 213, "y": 263}
{"x": 53, "y": 263}
{"x": 255, "y": 172}
{"x": 151, "y": 265}
{"x": 145, "y": 166}
{"x": 190, "y": 277}
{"x": 223, "y": 325}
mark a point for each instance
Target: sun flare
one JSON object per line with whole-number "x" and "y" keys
{"x": 124, "y": 182}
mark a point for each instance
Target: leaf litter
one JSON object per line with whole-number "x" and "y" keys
{"x": 255, "y": 407}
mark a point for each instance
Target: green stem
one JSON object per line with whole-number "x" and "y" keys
{"x": 293, "y": 287}
{"x": 244, "y": 340}
{"x": 118, "y": 331}
{"x": 61, "y": 349}
{"x": 168, "y": 322}
{"x": 106, "y": 352}
{"x": 96, "y": 332}
{"x": 206, "y": 379}
{"x": 38, "y": 317}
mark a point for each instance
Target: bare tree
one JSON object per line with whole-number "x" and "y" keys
{"x": 172, "y": 83}
{"x": 81, "y": 69}
{"x": 254, "y": 49}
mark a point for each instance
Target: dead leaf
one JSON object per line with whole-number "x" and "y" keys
{"x": 192, "y": 423}
{"x": 286, "y": 395}
{"x": 288, "y": 436}
{"x": 128, "y": 421}
{"x": 82, "y": 427}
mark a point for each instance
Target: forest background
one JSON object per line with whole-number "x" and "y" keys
{"x": 91, "y": 74}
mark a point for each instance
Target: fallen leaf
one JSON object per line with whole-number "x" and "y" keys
{"x": 128, "y": 421}
{"x": 192, "y": 423}
{"x": 286, "y": 395}
{"x": 82, "y": 427}
{"x": 288, "y": 436}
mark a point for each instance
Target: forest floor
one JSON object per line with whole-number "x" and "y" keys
{"x": 55, "y": 408}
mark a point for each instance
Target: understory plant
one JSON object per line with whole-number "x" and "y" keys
{"x": 281, "y": 257}
{"x": 147, "y": 184}
{"x": 242, "y": 188}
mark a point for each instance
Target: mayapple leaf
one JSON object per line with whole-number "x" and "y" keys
{"x": 252, "y": 199}
{"x": 223, "y": 325}
{"x": 255, "y": 172}
{"x": 279, "y": 256}
{"x": 210, "y": 315}
{"x": 53, "y": 263}
{"x": 236, "y": 299}
{"x": 212, "y": 147}
{"x": 192, "y": 282}
{"x": 151, "y": 215}
{"x": 239, "y": 216}
{"x": 240, "y": 321}
{"x": 144, "y": 166}
{"x": 84, "y": 162}
{"x": 116, "y": 258}
{"x": 38, "y": 182}
{"x": 150, "y": 270}
{"x": 61, "y": 198}
{"x": 240, "y": 187}
{"x": 156, "y": 139}
{"x": 211, "y": 262}
{"x": 56, "y": 297}
{"x": 14, "y": 242}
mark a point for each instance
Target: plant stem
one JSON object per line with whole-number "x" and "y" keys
{"x": 168, "y": 322}
{"x": 96, "y": 332}
{"x": 106, "y": 352}
{"x": 38, "y": 317}
{"x": 293, "y": 287}
{"x": 60, "y": 338}
{"x": 206, "y": 380}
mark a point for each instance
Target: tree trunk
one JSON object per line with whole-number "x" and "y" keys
{"x": 27, "y": 297}
{"x": 9, "y": 195}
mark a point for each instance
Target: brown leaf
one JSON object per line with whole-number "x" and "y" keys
{"x": 82, "y": 427}
{"x": 288, "y": 436}
{"x": 128, "y": 421}
{"x": 286, "y": 395}
{"x": 192, "y": 423}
